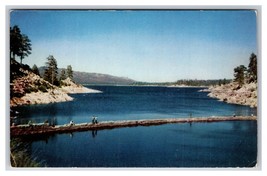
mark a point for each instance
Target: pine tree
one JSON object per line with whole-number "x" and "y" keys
{"x": 25, "y": 48}
{"x": 15, "y": 41}
{"x": 20, "y": 44}
{"x": 252, "y": 68}
{"x": 69, "y": 72}
{"x": 51, "y": 72}
{"x": 239, "y": 74}
{"x": 35, "y": 70}
{"x": 62, "y": 75}
{"x": 224, "y": 81}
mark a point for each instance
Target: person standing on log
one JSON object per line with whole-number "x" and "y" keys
{"x": 96, "y": 120}
{"x": 93, "y": 120}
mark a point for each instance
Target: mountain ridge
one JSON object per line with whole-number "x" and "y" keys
{"x": 100, "y": 78}
{"x": 95, "y": 78}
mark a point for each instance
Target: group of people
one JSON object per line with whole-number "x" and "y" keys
{"x": 71, "y": 123}
{"x": 94, "y": 120}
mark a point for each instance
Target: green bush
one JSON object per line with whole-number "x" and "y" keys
{"x": 30, "y": 89}
{"x": 19, "y": 155}
{"x": 42, "y": 88}
{"x": 63, "y": 84}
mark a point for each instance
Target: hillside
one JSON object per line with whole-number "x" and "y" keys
{"x": 29, "y": 88}
{"x": 95, "y": 78}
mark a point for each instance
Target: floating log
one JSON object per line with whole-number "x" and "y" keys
{"x": 45, "y": 129}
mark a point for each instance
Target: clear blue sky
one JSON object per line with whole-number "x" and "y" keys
{"x": 150, "y": 46}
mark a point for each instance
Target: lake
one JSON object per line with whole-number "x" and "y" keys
{"x": 220, "y": 144}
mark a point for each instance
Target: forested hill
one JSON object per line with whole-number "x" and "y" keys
{"x": 95, "y": 78}
{"x": 186, "y": 82}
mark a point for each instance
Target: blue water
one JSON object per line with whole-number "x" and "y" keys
{"x": 224, "y": 144}
{"x": 122, "y": 102}
{"x": 220, "y": 144}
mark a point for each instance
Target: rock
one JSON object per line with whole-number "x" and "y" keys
{"x": 233, "y": 93}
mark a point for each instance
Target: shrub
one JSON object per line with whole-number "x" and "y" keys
{"x": 42, "y": 88}
{"x": 19, "y": 155}
{"x": 30, "y": 89}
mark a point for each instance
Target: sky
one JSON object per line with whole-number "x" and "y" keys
{"x": 144, "y": 45}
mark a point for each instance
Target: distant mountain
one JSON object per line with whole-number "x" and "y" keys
{"x": 95, "y": 78}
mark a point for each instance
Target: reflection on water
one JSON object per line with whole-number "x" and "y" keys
{"x": 94, "y": 133}
{"x": 220, "y": 144}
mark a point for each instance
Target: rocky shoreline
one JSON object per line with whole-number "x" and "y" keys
{"x": 234, "y": 94}
{"x": 52, "y": 94}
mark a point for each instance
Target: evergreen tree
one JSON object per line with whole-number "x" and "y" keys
{"x": 239, "y": 74}
{"x": 62, "y": 75}
{"x": 51, "y": 72}
{"x": 252, "y": 68}
{"x": 224, "y": 81}
{"x": 15, "y": 41}
{"x": 35, "y": 70}
{"x": 25, "y": 48}
{"x": 20, "y": 44}
{"x": 69, "y": 72}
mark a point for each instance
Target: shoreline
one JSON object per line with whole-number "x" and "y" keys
{"x": 229, "y": 93}
{"x": 169, "y": 86}
{"x": 78, "y": 89}
{"x": 51, "y": 96}
{"x": 185, "y": 86}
